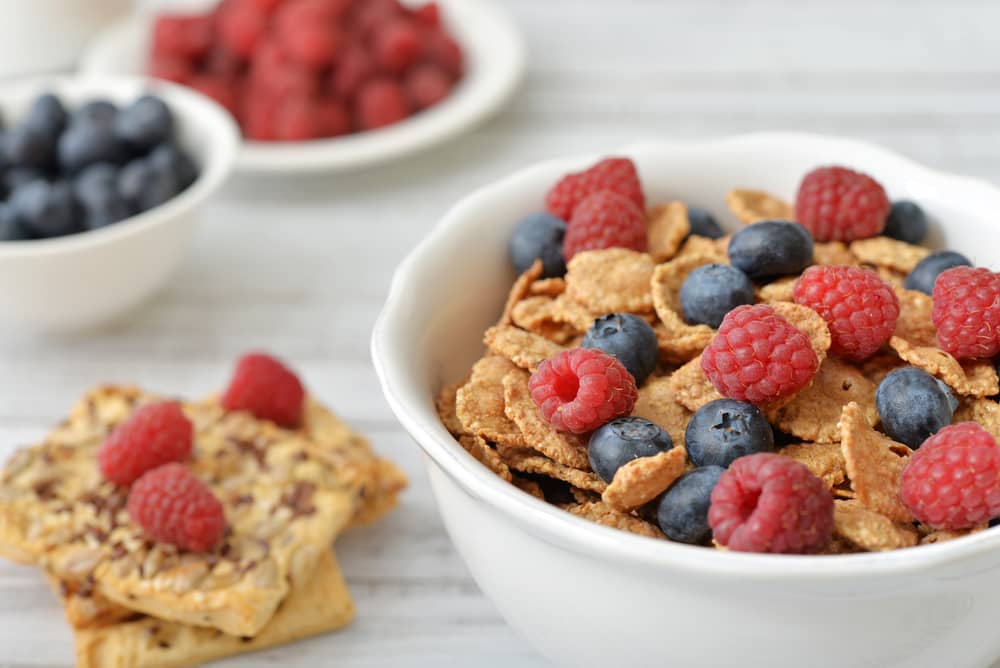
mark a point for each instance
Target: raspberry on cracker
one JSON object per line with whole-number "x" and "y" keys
{"x": 264, "y": 386}
{"x": 156, "y": 434}
{"x": 173, "y": 506}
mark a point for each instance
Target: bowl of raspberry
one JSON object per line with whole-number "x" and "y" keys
{"x": 736, "y": 403}
{"x": 330, "y": 84}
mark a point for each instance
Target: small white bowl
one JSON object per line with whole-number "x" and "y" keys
{"x": 84, "y": 279}
{"x": 495, "y": 60}
{"x": 587, "y": 595}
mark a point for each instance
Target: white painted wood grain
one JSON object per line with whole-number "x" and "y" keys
{"x": 301, "y": 265}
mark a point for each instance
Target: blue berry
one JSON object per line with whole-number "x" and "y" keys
{"x": 96, "y": 189}
{"x": 10, "y": 229}
{"x": 771, "y": 248}
{"x": 89, "y": 143}
{"x": 682, "y": 511}
{"x": 994, "y": 522}
{"x": 906, "y": 222}
{"x": 913, "y": 405}
{"x": 45, "y": 209}
{"x": 627, "y": 337}
{"x": 724, "y": 430}
{"x": 48, "y": 115}
{"x": 927, "y": 270}
{"x": 28, "y": 146}
{"x": 703, "y": 223}
{"x": 540, "y": 235}
{"x": 169, "y": 156}
{"x": 102, "y": 112}
{"x": 144, "y": 124}
{"x": 620, "y": 441}
{"x": 15, "y": 177}
{"x": 713, "y": 290}
{"x": 144, "y": 185}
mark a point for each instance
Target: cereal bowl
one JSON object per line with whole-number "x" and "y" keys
{"x": 83, "y": 279}
{"x": 587, "y": 595}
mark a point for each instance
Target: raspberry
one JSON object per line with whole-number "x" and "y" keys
{"x": 967, "y": 312}
{"x": 427, "y": 85}
{"x": 605, "y": 220}
{"x": 398, "y": 44}
{"x": 581, "y": 389}
{"x": 171, "y": 68}
{"x": 185, "y": 37}
{"x": 355, "y": 67}
{"x": 444, "y": 51}
{"x": 770, "y": 503}
{"x": 240, "y": 27}
{"x": 429, "y": 14}
{"x": 264, "y": 386}
{"x": 953, "y": 481}
{"x": 154, "y": 435}
{"x": 173, "y": 506}
{"x": 332, "y": 117}
{"x": 296, "y": 120}
{"x": 859, "y": 308}
{"x": 757, "y": 356}
{"x": 839, "y": 204}
{"x": 315, "y": 46}
{"x": 257, "y": 119}
{"x": 381, "y": 102}
{"x": 615, "y": 174}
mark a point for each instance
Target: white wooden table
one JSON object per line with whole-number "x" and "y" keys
{"x": 300, "y": 266}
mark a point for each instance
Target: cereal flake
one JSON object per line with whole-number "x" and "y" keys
{"x": 603, "y": 514}
{"x": 889, "y": 253}
{"x": 563, "y": 447}
{"x": 974, "y": 378}
{"x": 825, "y": 460}
{"x": 869, "y": 530}
{"x": 611, "y": 280}
{"x": 873, "y": 464}
{"x": 753, "y": 206}
{"x": 524, "y": 349}
{"x": 479, "y": 403}
{"x": 668, "y": 228}
{"x": 658, "y": 404}
{"x": 642, "y": 480}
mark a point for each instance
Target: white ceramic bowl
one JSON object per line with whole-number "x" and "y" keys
{"x": 84, "y": 279}
{"x": 495, "y": 60}
{"x": 586, "y": 595}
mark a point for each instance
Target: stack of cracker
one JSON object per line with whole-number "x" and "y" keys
{"x": 273, "y": 578}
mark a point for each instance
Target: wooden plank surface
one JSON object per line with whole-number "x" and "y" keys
{"x": 300, "y": 265}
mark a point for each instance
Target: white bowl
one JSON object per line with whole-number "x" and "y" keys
{"x": 84, "y": 279}
{"x": 586, "y": 595}
{"x": 495, "y": 59}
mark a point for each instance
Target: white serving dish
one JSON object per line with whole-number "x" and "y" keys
{"x": 586, "y": 595}
{"x": 495, "y": 61}
{"x": 84, "y": 279}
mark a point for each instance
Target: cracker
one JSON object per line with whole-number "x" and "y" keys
{"x": 691, "y": 388}
{"x": 869, "y": 530}
{"x": 985, "y": 412}
{"x": 641, "y": 480}
{"x": 813, "y": 414}
{"x": 529, "y": 461}
{"x": 832, "y": 253}
{"x": 914, "y": 324}
{"x": 538, "y": 315}
{"x": 873, "y": 464}
{"x": 524, "y": 349}
{"x": 445, "y": 404}
{"x": 890, "y": 253}
{"x": 973, "y": 378}
{"x": 604, "y": 514}
{"x": 612, "y": 280}
{"x": 825, "y": 460}
{"x": 563, "y": 447}
{"x": 668, "y": 227}
{"x": 480, "y": 402}
{"x": 779, "y": 290}
{"x": 318, "y": 605}
{"x": 658, "y": 404}
{"x": 548, "y": 287}
{"x": 520, "y": 290}
{"x": 752, "y": 206}
{"x": 485, "y": 455}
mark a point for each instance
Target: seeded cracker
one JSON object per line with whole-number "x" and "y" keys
{"x": 825, "y": 460}
{"x": 777, "y": 291}
{"x": 445, "y": 404}
{"x": 485, "y": 455}
{"x": 668, "y": 228}
{"x": 603, "y": 514}
{"x": 752, "y": 206}
{"x": 524, "y": 349}
{"x": 869, "y": 530}
{"x": 873, "y": 465}
{"x": 889, "y": 253}
{"x": 614, "y": 280}
{"x": 832, "y": 253}
{"x": 657, "y": 404}
{"x": 914, "y": 324}
{"x": 981, "y": 410}
{"x": 529, "y": 461}
{"x": 974, "y": 378}
{"x": 563, "y": 447}
{"x": 480, "y": 402}
{"x": 520, "y": 290}
{"x": 642, "y": 480}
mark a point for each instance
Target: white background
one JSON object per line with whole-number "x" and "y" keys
{"x": 300, "y": 266}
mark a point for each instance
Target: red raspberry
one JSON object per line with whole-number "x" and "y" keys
{"x": 263, "y": 385}
{"x": 381, "y": 102}
{"x": 170, "y": 68}
{"x": 581, "y": 389}
{"x": 397, "y": 45}
{"x": 858, "y": 307}
{"x": 315, "y": 46}
{"x": 223, "y": 63}
{"x": 154, "y": 435}
{"x": 296, "y": 15}
{"x": 605, "y": 220}
{"x": 217, "y": 88}
{"x": 967, "y": 312}
{"x": 373, "y": 14}
{"x": 430, "y": 14}
{"x": 258, "y": 115}
{"x": 770, "y": 503}
{"x": 332, "y": 117}
{"x": 427, "y": 85}
{"x": 443, "y": 51}
{"x": 758, "y": 356}
{"x": 953, "y": 481}
{"x": 615, "y": 174}
{"x": 296, "y": 119}
{"x": 355, "y": 67}
{"x": 173, "y": 506}
{"x": 839, "y": 204}
{"x": 241, "y": 26}
{"x": 266, "y": 6}
{"x": 186, "y": 37}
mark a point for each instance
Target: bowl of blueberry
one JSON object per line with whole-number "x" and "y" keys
{"x": 101, "y": 180}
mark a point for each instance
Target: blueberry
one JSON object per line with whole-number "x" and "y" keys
{"x": 994, "y": 522}
{"x": 144, "y": 185}
{"x": 771, "y": 248}
{"x": 913, "y": 405}
{"x": 713, "y": 290}
{"x": 703, "y": 223}
{"x": 171, "y": 157}
{"x": 48, "y": 115}
{"x": 16, "y": 177}
{"x": 96, "y": 189}
{"x": 927, "y": 270}
{"x": 538, "y": 236}
{"x": 682, "y": 511}
{"x": 101, "y": 112}
{"x": 906, "y": 222}
{"x": 622, "y": 440}
{"x": 144, "y": 124}
{"x": 629, "y": 338}
{"x": 89, "y": 143}
{"x": 724, "y": 430}
{"x": 28, "y": 146}
{"x": 45, "y": 209}
{"x": 10, "y": 229}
